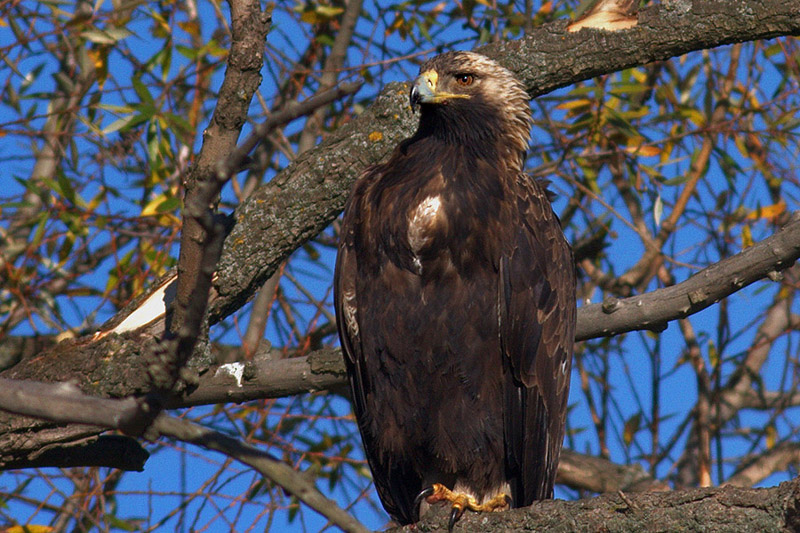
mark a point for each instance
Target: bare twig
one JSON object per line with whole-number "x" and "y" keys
{"x": 292, "y": 111}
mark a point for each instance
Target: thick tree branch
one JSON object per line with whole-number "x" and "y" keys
{"x": 726, "y": 509}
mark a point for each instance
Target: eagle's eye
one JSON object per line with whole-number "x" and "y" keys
{"x": 465, "y": 79}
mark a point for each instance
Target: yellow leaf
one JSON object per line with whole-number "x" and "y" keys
{"x": 772, "y": 436}
{"x": 695, "y": 116}
{"x": 329, "y": 11}
{"x": 754, "y": 103}
{"x": 30, "y": 528}
{"x": 747, "y": 237}
{"x": 190, "y": 27}
{"x": 631, "y": 427}
{"x": 320, "y": 14}
{"x": 768, "y": 212}
{"x": 639, "y": 75}
{"x": 153, "y": 206}
{"x": 713, "y": 354}
{"x": 99, "y": 57}
{"x": 396, "y": 23}
{"x": 573, "y": 104}
{"x": 644, "y": 151}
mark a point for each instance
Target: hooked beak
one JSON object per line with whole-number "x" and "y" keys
{"x": 424, "y": 89}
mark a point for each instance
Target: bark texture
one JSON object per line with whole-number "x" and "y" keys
{"x": 725, "y": 509}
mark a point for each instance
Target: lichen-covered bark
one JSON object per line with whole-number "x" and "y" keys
{"x": 725, "y": 509}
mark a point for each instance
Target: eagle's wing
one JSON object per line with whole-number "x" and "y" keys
{"x": 396, "y": 485}
{"x": 537, "y": 327}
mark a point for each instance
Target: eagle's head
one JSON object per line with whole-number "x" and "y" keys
{"x": 466, "y": 98}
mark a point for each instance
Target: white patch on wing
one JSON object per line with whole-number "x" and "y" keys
{"x": 420, "y": 221}
{"x": 350, "y": 321}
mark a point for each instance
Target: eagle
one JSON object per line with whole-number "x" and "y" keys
{"x": 454, "y": 290}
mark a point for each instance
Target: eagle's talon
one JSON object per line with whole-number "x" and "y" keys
{"x": 455, "y": 514}
{"x": 424, "y": 494}
{"x": 460, "y": 502}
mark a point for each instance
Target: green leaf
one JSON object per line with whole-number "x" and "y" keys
{"x": 142, "y": 91}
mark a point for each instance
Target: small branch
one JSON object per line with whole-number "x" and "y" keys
{"x": 65, "y": 403}
{"x": 776, "y": 459}
{"x": 599, "y": 475}
{"x": 330, "y": 71}
{"x": 292, "y": 111}
{"x": 249, "y": 27}
{"x": 655, "y": 309}
{"x": 768, "y": 400}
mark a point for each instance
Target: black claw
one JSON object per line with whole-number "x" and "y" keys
{"x": 455, "y": 514}
{"x": 424, "y": 493}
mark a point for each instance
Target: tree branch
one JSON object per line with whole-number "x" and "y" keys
{"x": 654, "y": 309}
{"x": 726, "y": 509}
{"x": 776, "y": 459}
{"x": 249, "y": 27}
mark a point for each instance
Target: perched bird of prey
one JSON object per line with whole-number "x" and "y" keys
{"x": 455, "y": 303}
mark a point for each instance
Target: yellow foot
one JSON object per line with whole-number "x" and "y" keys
{"x": 439, "y": 493}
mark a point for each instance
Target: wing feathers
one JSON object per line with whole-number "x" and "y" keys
{"x": 537, "y": 282}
